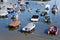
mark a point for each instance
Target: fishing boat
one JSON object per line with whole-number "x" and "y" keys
{"x": 29, "y": 27}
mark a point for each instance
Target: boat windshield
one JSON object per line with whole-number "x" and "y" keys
{"x": 35, "y": 16}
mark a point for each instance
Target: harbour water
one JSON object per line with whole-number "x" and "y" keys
{"x": 40, "y": 32}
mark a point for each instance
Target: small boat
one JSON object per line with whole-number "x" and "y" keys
{"x": 53, "y": 30}
{"x": 23, "y": 7}
{"x": 37, "y": 10}
{"x": 47, "y": 18}
{"x": 30, "y": 10}
{"x": 47, "y": 7}
{"x": 14, "y": 16}
{"x": 35, "y": 18}
{"x": 27, "y": 4}
{"x": 54, "y": 9}
{"x": 3, "y": 14}
{"x": 43, "y": 14}
{"x": 14, "y": 24}
{"x": 10, "y": 9}
{"x": 29, "y": 27}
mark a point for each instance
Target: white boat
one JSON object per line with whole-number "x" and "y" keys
{"x": 10, "y": 9}
{"x": 3, "y": 13}
{"x": 29, "y": 27}
{"x": 47, "y": 7}
{"x": 35, "y": 18}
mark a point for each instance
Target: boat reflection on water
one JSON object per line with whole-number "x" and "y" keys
{"x": 13, "y": 28}
{"x": 49, "y": 22}
{"x": 4, "y": 18}
{"x": 13, "y": 19}
{"x": 54, "y": 14}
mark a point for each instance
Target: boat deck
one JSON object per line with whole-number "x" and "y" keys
{"x": 14, "y": 24}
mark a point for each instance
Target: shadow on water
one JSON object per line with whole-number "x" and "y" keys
{"x": 41, "y": 19}
{"x": 46, "y": 31}
{"x": 12, "y": 29}
{"x": 47, "y": 22}
{"x": 26, "y": 33}
{"x": 3, "y": 18}
{"x": 54, "y": 14}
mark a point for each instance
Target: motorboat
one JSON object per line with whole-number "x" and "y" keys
{"x": 29, "y": 27}
{"x": 35, "y": 18}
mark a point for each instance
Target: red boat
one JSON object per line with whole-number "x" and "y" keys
{"x": 53, "y": 30}
{"x": 14, "y": 24}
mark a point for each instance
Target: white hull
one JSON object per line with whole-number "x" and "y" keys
{"x": 29, "y": 27}
{"x": 34, "y": 19}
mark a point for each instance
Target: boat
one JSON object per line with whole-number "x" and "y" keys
{"x": 47, "y": 7}
{"x": 3, "y": 14}
{"x": 43, "y": 14}
{"x": 14, "y": 16}
{"x": 47, "y": 18}
{"x": 23, "y": 7}
{"x": 29, "y": 27}
{"x": 10, "y": 9}
{"x": 53, "y": 30}
{"x": 14, "y": 24}
{"x": 37, "y": 10}
{"x": 54, "y": 9}
{"x": 35, "y": 18}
